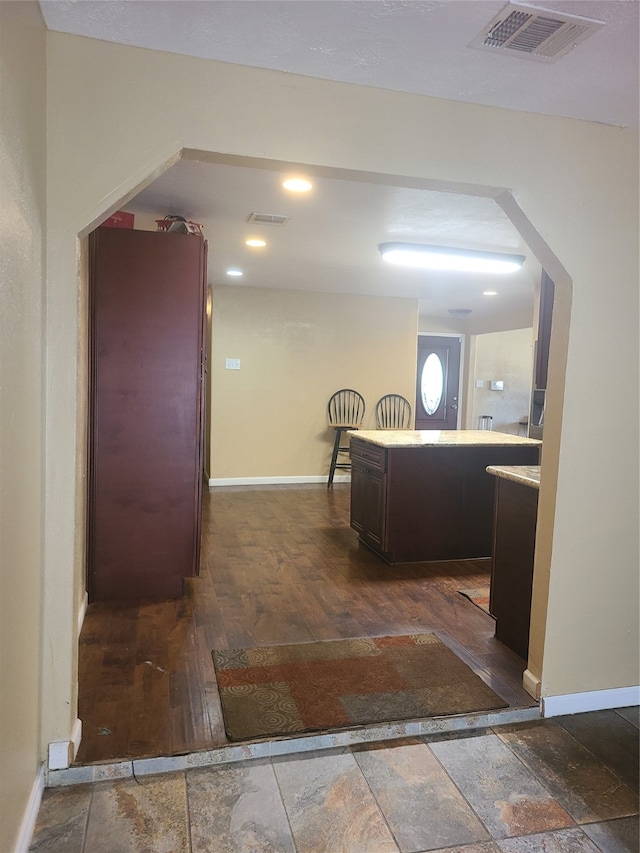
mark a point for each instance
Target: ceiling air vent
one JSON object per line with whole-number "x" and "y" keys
{"x": 268, "y": 219}
{"x": 534, "y": 33}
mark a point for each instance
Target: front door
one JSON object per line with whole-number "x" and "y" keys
{"x": 437, "y": 382}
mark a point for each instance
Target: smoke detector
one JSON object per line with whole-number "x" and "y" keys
{"x": 534, "y": 33}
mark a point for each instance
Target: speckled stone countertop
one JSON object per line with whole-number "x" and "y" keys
{"x": 527, "y": 475}
{"x": 441, "y": 438}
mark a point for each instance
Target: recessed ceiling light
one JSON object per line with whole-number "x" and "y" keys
{"x": 297, "y": 185}
{"x": 235, "y": 273}
{"x": 255, "y": 243}
{"x": 489, "y": 292}
{"x": 443, "y": 258}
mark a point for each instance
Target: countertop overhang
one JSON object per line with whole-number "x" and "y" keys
{"x": 526, "y": 475}
{"x": 442, "y": 438}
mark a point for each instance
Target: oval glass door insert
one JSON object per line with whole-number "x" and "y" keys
{"x": 432, "y": 383}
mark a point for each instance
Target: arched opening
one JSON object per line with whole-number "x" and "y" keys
{"x": 544, "y": 256}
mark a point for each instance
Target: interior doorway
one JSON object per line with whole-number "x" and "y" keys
{"x": 184, "y": 644}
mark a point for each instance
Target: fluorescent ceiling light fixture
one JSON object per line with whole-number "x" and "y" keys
{"x": 443, "y": 258}
{"x": 297, "y": 185}
{"x": 489, "y": 292}
{"x": 255, "y": 243}
{"x": 234, "y": 273}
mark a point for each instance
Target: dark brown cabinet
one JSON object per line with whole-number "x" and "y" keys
{"x": 514, "y": 538}
{"x": 147, "y": 292}
{"x": 368, "y": 494}
{"x": 541, "y": 361}
{"x": 410, "y": 504}
{"x": 545, "y": 317}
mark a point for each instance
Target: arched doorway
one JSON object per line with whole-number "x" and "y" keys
{"x": 369, "y": 177}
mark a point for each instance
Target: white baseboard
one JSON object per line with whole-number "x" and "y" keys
{"x": 275, "y": 481}
{"x": 28, "y": 822}
{"x": 595, "y": 700}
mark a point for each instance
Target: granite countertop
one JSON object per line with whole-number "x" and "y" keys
{"x": 526, "y": 475}
{"x": 441, "y": 438}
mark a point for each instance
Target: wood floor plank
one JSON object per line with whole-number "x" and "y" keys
{"x": 279, "y": 564}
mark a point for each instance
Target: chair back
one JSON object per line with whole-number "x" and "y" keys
{"x": 346, "y": 408}
{"x": 393, "y": 411}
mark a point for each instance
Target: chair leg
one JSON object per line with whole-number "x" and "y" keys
{"x": 334, "y": 458}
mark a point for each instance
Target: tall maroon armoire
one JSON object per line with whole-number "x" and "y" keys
{"x": 147, "y": 297}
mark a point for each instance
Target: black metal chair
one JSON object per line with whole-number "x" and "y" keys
{"x": 393, "y": 411}
{"x": 345, "y": 411}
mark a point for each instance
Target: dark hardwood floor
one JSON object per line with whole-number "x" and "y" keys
{"x": 279, "y": 564}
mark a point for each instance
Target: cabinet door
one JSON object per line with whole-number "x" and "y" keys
{"x": 375, "y": 510}
{"x": 145, "y": 451}
{"x": 359, "y": 484}
{"x": 368, "y": 494}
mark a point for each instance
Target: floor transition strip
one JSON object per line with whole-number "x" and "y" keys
{"x": 316, "y": 742}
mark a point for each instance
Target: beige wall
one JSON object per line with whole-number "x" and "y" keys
{"x": 506, "y": 356}
{"x": 269, "y": 418}
{"x": 22, "y": 222}
{"x": 117, "y": 115}
{"x": 438, "y": 325}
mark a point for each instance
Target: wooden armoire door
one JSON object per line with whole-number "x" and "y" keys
{"x": 147, "y": 292}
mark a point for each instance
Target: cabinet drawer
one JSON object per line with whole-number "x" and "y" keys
{"x": 369, "y": 455}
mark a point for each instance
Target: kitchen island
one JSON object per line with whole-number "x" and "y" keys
{"x": 424, "y": 495}
{"x": 514, "y": 539}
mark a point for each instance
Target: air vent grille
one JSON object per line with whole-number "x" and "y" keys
{"x": 534, "y": 33}
{"x": 268, "y": 219}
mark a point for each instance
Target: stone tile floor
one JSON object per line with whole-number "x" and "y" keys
{"x": 566, "y": 785}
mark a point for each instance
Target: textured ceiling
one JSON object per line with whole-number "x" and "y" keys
{"x": 414, "y": 46}
{"x": 330, "y": 243}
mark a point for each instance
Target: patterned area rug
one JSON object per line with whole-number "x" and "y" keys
{"x": 478, "y": 596}
{"x": 308, "y": 687}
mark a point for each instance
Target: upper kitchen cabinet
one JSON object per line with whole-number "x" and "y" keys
{"x": 545, "y": 314}
{"x": 541, "y": 362}
{"x": 147, "y": 296}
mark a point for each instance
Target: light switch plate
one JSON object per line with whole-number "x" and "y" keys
{"x": 479, "y": 383}
{"x": 232, "y": 364}
{"x": 497, "y": 385}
